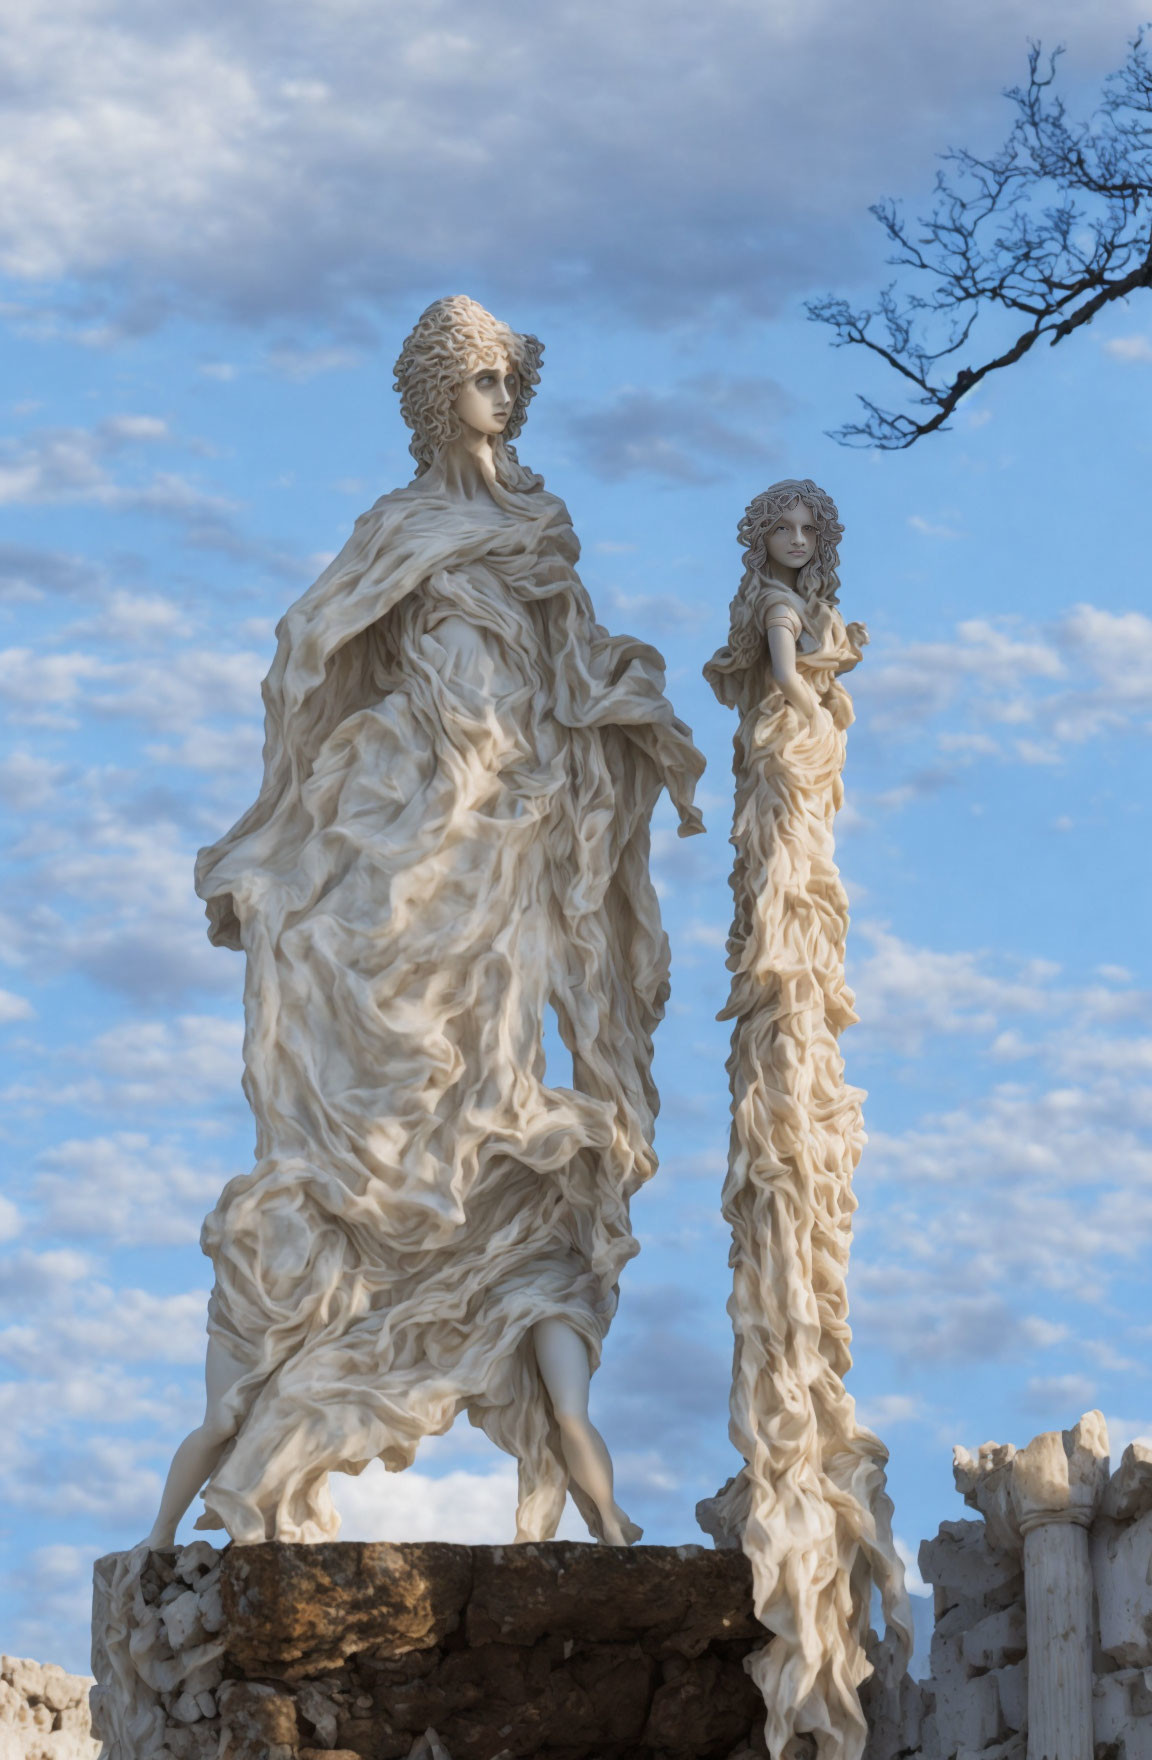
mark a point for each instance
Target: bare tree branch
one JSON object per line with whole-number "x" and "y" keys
{"x": 1049, "y": 230}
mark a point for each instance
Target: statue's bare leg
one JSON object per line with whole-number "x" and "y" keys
{"x": 563, "y": 1359}
{"x": 197, "y": 1456}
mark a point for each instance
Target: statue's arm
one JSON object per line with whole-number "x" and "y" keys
{"x": 794, "y": 689}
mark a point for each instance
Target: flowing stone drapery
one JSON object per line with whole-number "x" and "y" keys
{"x": 452, "y": 837}
{"x": 809, "y": 1506}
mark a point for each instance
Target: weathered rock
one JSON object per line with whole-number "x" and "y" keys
{"x": 550, "y": 1652}
{"x": 1128, "y": 1494}
{"x": 43, "y": 1712}
{"x": 1012, "y": 1687}
{"x": 182, "y": 1621}
{"x": 961, "y": 1565}
{"x": 896, "y": 1711}
{"x": 701, "y": 1707}
{"x": 997, "y": 1639}
{"x": 1122, "y": 1714}
{"x": 968, "y": 1712}
{"x": 520, "y": 1593}
{"x": 1122, "y": 1573}
{"x": 257, "y": 1722}
{"x": 294, "y": 1611}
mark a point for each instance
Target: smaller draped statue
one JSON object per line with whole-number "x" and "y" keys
{"x": 451, "y": 842}
{"x": 809, "y": 1506}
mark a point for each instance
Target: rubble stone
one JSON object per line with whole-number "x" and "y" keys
{"x": 961, "y": 1564}
{"x": 997, "y": 1639}
{"x": 1121, "y": 1572}
{"x": 293, "y": 1611}
{"x": 1128, "y": 1494}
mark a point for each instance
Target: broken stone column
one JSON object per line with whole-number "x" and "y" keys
{"x": 1041, "y": 1501}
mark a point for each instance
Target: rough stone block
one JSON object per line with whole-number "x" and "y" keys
{"x": 968, "y": 1713}
{"x": 1128, "y": 1494}
{"x": 23, "y": 1676}
{"x": 550, "y": 1652}
{"x": 181, "y": 1619}
{"x": 1122, "y": 1572}
{"x": 701, "y": 1705}
{"x": 1015, "y": 1748}
{"x": 961, "y": 1564}
{"x": 521, "y": 1593}
{"x": 896, "y": 1714}
{"x": 257, "y": 1722}
{"x": 997, "y": 1639}
{"x": 294, "y": 1611}
{"x": 961, "y": 1616}
{"x": 1012, "y": 1686}
{"x": 1118, "y": 1723}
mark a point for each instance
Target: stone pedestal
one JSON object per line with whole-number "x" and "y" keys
{"x": 379, "y": 1652}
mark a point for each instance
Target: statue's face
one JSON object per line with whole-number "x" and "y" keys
{"x": 792, "y": 540}
{"x": 485, "y": 400}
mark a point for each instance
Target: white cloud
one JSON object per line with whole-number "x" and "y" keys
{"x": 886, "y": 1409}
{"x": 907, "y": 993}
{"x": 14, "y": 1008}
{"x": 1122, "y": 1431}
{"x": 54, "y": 1623}
{"x": 125, "y": 1189}
{"x": 11, "y": 1221}
{"x": 59, "y": 465}
{"x": 932, "y": 529}
{"x": 472, "y": 1509}
{"x": 1060, "y": 1394}
{"x": 28, "y": 780}
{"x": 689, "y": 434}
{"x": 1026, "y": 692}
{"x": 108, "y": 1325}
{"x": 628, "y": 151}
{"x": 132, "y": 921}
{"x": 1129, "y": 348}
{"x": 1033, "y": 1192}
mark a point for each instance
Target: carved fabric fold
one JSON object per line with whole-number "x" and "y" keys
{"x": 810, "y": 1506}
{"x": 452, "y": 837}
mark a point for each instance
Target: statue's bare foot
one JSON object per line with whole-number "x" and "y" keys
{"x": 619, "y": 1530}
{"x": 161, "y": 1539}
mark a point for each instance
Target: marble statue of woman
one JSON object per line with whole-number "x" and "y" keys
{"x": 809, "y": 1506}
{"x": 452, "y": 837}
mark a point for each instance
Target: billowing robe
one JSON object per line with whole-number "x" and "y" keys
{"x": 452, "y": 836}
{"x": 810, "y": 1505}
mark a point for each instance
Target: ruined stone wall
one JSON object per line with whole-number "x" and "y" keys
{"x": 43, "y": 1712}
{"x": 421, "y": 1652}
{"x": 975, "y": 1706}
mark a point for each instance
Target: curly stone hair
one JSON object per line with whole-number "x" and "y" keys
{"x": 453, "y": 338}
{"x": 817, "y": 582}
{"x": 818, "y": 579}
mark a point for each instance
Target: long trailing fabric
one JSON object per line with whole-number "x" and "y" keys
{"x": 452, "y": 836}
{"x": 809, "y": 1506}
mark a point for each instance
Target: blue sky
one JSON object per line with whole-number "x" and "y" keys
{"x": 216, "y": 229}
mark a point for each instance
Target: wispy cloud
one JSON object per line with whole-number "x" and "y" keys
{"x": 687, "y": 435}
{"x": 618, "y": 155}
{"x": 1129, "y": 348}
{"x": 1020, "y": 692}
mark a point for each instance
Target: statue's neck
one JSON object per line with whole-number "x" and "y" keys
{"x": 464, "y": 472}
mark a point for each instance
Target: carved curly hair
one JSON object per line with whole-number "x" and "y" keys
{"x": 818, "y": 579}
{"x": 453, "y": 338}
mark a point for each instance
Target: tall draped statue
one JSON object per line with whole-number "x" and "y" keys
{"x": 809, "y": 1506}
{"x": 451, "y": 840}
